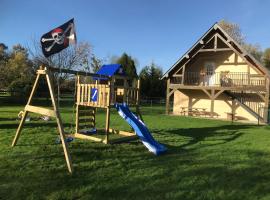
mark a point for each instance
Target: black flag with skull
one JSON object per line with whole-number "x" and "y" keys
{"x": 58, "y": 39}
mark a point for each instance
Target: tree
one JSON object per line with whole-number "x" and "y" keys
{"x": 17, "y": 72}
{"x": 73, "y": 57}
{"x": 266, "y": 58}
{"x": 128, "y": 64}
{"x": 255, "y": 51}
{"x": 235, "y": 32}
{"x": 95, "y": 64}
{"x": 4, "y": 56}
{"x": 151, "y": 84}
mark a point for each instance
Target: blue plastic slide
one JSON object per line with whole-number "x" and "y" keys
{"x": 140, "y": 129}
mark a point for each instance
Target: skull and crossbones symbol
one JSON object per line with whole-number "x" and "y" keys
{"x": 58, "y": 37}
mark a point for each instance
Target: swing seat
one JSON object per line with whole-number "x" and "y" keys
{"x": 89, "y": 131}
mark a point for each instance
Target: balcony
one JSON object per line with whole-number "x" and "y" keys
{"x": 220, "y": 79}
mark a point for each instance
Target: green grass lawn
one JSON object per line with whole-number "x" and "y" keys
{"x": 206, "y": 159}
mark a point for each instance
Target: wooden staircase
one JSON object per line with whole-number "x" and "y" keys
{"x": 250, "y": 101}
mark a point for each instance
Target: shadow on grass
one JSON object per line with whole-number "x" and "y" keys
{"x": 127, "y": 171}
{"x": 50, "y": 124}
{"x": 99, "y": 177}
{"x": 220, "y": 134}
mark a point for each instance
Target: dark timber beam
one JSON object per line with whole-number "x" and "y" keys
{"x": 215, "y": 42}
{"x": 75, "y": 72}
{"x": 219, "y": 49}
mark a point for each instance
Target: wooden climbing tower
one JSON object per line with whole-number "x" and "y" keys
{"x": 104, "y": 93}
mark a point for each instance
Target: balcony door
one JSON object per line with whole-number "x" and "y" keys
{"x": 210, "y": 73}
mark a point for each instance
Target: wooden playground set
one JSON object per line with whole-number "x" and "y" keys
{"x": 108, "y": 88}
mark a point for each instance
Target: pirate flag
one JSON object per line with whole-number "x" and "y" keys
{"x": 58, "y": 39}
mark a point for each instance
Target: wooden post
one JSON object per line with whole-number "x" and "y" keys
{"x": 77, "y": 105}
{"x": 233, "y": 109}
{"x": 248, "y": 69}
{"x": 59, "y": 123}
{"x": 112, "y": 96}
{"x": 215, "y": 42}
{"x": 77, "y": 127}
{"x": 266, "y": 101}
{"x": 138, "y": 100}
{"x": 107, "y": 128}
{"x": 212, "y": 101}
{"x": 168, "y": 97}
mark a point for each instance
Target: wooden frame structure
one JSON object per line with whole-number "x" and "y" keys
{"x": 43, "y": 71}
{"x": 108, "y": 94}
{"x": 217, "y": 40}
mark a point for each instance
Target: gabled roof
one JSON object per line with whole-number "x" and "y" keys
{"x": 232, "y": 44}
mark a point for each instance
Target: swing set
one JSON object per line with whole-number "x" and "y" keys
{"x": 105, "y": 89}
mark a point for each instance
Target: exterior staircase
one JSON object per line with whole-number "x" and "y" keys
{"x": 250, "y": 102}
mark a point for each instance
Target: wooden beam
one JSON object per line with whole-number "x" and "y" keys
{"x": 88, "y": 137}
{"x": 108, "y": 113}
{"x": 18, "y": 132}
{"x": 206, "y": 92}
{"x": 59, "y": 122}
{"x": 218, "y": 93}
{"x": 234, "y": 107}
{"x": 215, "y": 42}
{"x": 171, "y": 92}
{"x": 177, "y": 75}
{"x": 214, "y": 50}
{"x": 260, "y": 95}
{"x": 75, "y": 72}
{"x": 40, "y": 110}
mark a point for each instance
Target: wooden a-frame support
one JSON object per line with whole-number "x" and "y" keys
{"x": 44, "y": 111}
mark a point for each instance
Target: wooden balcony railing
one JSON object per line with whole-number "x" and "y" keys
{"x": 222, "y": 79}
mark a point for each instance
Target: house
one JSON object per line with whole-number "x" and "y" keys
{"x": 216, "y": 77}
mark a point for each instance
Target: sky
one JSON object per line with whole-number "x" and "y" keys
{"x": 158, "y": 31}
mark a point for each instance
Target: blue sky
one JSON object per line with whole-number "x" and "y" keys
{"x": 149, "y": 30}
